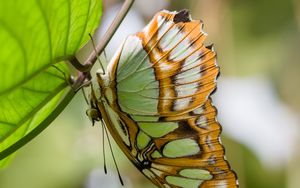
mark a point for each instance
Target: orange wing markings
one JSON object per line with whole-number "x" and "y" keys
{"x": 201, "y": 125}
{"x": 184, "y": 83}
{"x": 151, "y": 35}
{"x": 160, "y": 57}
{"x": 189, "y": 31}
{"x": 186, "y": 71}
{"x": 211, "y": 156}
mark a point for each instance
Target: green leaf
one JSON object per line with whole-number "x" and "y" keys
{"x": 36, "y": 38}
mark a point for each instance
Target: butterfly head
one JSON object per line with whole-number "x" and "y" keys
{"x": 93, "y": 115}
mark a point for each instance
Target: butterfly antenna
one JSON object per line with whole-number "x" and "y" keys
{"x": 103, "y": 147}
{"x": 112, "y": 153}
{"x": 103, "y": 70}
{"x": 85, "y": 97}
{"x": 105, "y": 56}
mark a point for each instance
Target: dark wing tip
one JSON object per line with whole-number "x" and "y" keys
{"x": 210, "y": 47}
{"x": 182, "y": 16}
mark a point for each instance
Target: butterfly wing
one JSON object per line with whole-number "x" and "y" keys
{"x": 158, "y": 107}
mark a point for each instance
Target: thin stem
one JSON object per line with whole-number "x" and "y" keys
{"x": 105, "y": 56}
{"x": 88, "y": 64}
{"x": 110, "y": 32}
{"x": 81, "y": 67}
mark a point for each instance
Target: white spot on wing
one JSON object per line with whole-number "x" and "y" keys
{"x": 164, "y": 28}
{"x": 189, "y": 76}
{"x": 181, "y": 51}
{"x": 199, "y": 110}
{"x": 201, "y": 121}
{"x": 160, "y": 20}
{"x": 165, "y": 66}
{"x": 170, "y": 39}
{"x": 192, "y": 60}
{"x": 187, "y": 89}
{"x": 181, "y": 104}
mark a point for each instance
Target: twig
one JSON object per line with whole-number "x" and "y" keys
{"x": 110, "y": 32}
{"x": 88, "y": 64}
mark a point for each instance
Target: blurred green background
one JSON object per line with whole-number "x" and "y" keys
{"x": 258, "y": 45}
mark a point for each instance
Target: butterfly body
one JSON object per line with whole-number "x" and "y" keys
{"x": 155, "y": 101}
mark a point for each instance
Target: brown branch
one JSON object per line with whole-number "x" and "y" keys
{"x": 88, "y": 64}
{"x": 110, "y": 32}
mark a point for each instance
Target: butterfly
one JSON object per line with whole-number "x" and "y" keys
{"x": 155, "y": 99}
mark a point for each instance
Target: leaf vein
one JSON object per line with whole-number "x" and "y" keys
{"x": 17, "y": 39}
{"x": 85, "y": 26}
{"x": 68, "y": 26}
{"x": 35, "y": 110}
{"x": 47, "y": 28}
